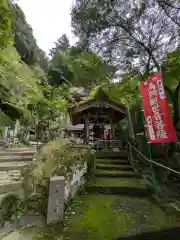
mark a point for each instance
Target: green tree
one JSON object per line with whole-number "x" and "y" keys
{"x": 62, "y": 45}
{"x": 5, "y": 24}
{"x": 132, "y": 34}
{"x": 24, "y": 90}
{"x": 172, "y": 80}
{"x": 79, "y": 67}
{"x": 48, "y": 113}
{"x": 5, "y": 39}
{"x": 89, "y": 69}
{"x": 59, "y": 70}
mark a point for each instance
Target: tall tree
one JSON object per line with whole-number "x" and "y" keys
{"x": 61, "y": 45}
{"x": 89, "y": 69}
{"x": 80, "y": 68}
{"x": 59, "y": 70}
{"x": 171, "y": 9}
{"x": 134, "y": 35}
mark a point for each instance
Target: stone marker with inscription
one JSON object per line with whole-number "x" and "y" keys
{"x": 56, "y": 200}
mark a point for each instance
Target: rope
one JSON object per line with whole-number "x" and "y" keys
{"x": 158, "y": 164}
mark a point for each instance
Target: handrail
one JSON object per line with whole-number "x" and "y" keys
{"x": 158, "y": 164}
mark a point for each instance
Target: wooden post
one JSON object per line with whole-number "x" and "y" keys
{"x": 113, "y": 130}
{"x": 86, "y": 129}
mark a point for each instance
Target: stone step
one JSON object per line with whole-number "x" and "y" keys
{"x": 11, "y": 175}
{"x": 113, "y": 167}
{"x": 124, "y": 191}
{"x": 5, "y": 166}
{"x": 112, "y": 161}
{"x": 110, "y": 154}
{"x": 8, "y": 153}
{"x": 122, "y": 186}
{"x": 7, "y": 186}
{"x": 16, "y": 158}
{"x": 115, "y": 182}
{"x": 20, "y": 150}
{"x": 115, "y": 174}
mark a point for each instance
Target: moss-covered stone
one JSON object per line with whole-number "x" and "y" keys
{"x": 118, "y": 182}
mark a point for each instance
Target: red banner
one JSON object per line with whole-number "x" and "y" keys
{"x": 157, "y": 114}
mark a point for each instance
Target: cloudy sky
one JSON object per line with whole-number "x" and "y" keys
{"x": 49, "y": 20}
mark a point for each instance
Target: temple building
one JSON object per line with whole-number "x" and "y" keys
{"x": 99, "y": 117}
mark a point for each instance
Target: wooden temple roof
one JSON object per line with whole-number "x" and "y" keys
{"x": 101, "y": 100}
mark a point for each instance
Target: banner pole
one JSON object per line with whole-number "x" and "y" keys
{"x": 149, "y": 149}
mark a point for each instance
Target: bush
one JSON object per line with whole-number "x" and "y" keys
{"x": 12, "y": 208}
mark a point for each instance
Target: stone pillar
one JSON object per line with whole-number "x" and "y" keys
{"x": 56, "y": 200}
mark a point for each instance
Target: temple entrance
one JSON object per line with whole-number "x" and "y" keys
{"x": 100, "y": 128}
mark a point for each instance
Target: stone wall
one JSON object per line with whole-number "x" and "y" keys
{"x": 77, "y": 181}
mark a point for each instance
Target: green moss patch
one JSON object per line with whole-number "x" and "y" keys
{"x": 95, "y": 219}
{"x": 99, "y": 217}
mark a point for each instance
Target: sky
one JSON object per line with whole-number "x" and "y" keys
{"x": 49, "y": 19}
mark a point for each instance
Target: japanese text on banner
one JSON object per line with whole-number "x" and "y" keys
{"x": 154, "y": 103}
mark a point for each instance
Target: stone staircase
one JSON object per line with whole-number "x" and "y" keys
{"x": 116, "y": 176}
{"x": 12, "y": 161}
{"x": 117, "y": 206}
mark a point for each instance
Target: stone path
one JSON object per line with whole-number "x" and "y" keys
{"x": 26, "y": 235}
